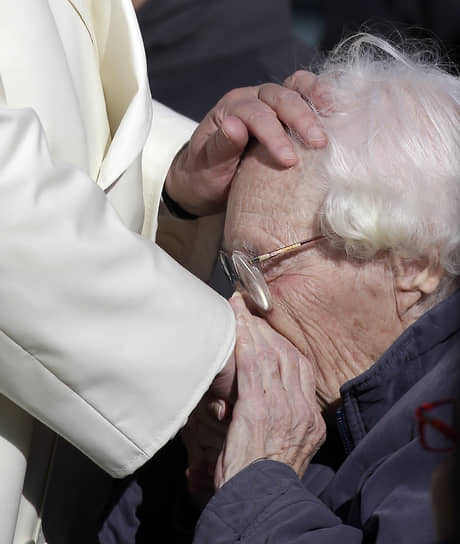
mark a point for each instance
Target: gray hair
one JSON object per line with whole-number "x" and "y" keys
{"x": 391, "y": 171}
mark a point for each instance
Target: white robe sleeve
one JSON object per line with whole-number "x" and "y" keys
{"x": 193, "y": 244}
{"x": 103, "y": 337}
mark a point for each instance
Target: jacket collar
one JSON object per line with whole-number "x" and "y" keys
{"x": 369, "y": 396}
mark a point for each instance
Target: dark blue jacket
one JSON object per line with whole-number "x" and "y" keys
{"x": 380, "y": 493}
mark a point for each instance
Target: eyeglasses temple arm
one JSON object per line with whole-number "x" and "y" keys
{"x": 284, "y": 249}
{"x": 265, "y": 256}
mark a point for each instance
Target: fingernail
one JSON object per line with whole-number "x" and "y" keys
{"x": 218, "y": 409}
{"x": 316, "y": 134}
{"x": 229, "y": 126}
{"x": 288, "y": 155}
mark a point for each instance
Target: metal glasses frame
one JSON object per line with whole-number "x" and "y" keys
{"x": 236, "y": 262}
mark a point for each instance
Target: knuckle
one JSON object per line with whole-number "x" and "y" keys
{"x": 307, "y": 117}
{"x": 260, "y": 115}
{"x": 290, "y": 95}
{"x": 234, "y": 94}
{"x": 288, "y": 99}
{"x": 302, "y": 81}
{"x": 268, "y": 356}
{"x": 292, "y": 79}
{"x": 237, "y": 95}
{"x": 319, "y": 428}
{"x": 250, "y": 363}
{"x": 268, "y": 89}
{"x": 304, "y": 121}
{"x": 312, "y": 419}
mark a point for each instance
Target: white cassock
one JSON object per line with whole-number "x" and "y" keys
{"x": 103, "y": 338}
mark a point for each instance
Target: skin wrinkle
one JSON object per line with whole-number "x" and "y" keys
{"x": 302, "y": 340}
{"x": 341, "y": 313}
{"x": 324, "y": 348}
{"x": 267, "y": 227}
{"x": 272, "y": 213}
{"x": 257, "y": 245}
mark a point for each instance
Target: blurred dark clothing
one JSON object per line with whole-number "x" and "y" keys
{"x": 197, "y": 50}
{"x": 77, "y": 497}
{"x": 153, "y": 505}
{"x": 414, "y": 18}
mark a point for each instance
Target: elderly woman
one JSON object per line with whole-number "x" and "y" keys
{"x": 353, "y": 257}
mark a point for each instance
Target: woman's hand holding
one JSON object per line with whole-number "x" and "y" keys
{"x": 276, "y": 415}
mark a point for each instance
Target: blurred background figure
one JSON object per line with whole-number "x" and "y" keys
{"x": 216, "y": 45}
{"x": 323, "y": 23}
{"x": 197, "y": 50}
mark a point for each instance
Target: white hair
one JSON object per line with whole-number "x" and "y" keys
{"x": 392, "y": 167}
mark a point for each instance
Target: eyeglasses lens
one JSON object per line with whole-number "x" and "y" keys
{"x": 226, "y": 265}
{"x": 253, "y": 281}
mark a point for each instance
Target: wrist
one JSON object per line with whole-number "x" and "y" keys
{"x": 192, "y": 187}
{"x": 174, "y": 208}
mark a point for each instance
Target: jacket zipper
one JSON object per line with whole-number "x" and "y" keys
{"x": 343, "y": 431}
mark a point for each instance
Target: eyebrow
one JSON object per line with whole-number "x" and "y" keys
{"x": 251, "y": 249}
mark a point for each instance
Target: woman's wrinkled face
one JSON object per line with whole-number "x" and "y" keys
{"x": 339, "y": 313}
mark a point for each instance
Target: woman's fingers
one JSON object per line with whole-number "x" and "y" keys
{"x": 248, "y": 371}
{"x": 276, "y": 415}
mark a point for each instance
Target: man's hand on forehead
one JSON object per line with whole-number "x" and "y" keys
{"x": 201, "y": 174}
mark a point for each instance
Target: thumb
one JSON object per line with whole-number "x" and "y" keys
{"x": 228, "y": 141}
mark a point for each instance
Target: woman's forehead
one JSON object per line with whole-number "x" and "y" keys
{"x": 268, "y": 203}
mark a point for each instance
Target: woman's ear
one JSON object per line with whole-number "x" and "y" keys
{"x": 414, "y": 279}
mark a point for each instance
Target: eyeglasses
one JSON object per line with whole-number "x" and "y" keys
{"x": 435, "y": 433}
{"x": 245, "y": 270}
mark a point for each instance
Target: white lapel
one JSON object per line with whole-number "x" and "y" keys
{"x": 83, "y": 10}
{"x": 124, "y": 78}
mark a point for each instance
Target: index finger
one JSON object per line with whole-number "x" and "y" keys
{"x": 295, "y": 112}
{"x": 301, "y": 81}
{"x": 249, "y": 376}
{"x": 307, "y": 377}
